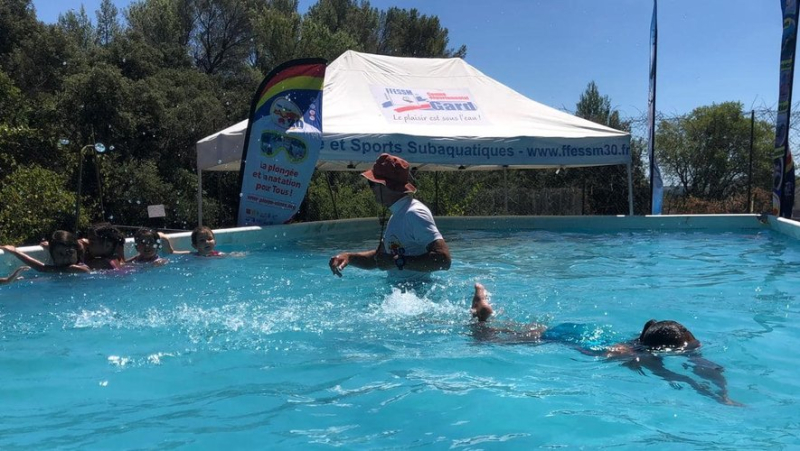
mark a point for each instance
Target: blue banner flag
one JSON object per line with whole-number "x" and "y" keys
{"x": 282, "y": 143}
{"x": 783, "y": 166}
{"x": 656, "y": 184}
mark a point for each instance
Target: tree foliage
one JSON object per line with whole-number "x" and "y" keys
{"x": 150, "y": 81}
{"x": 153, "y": 79}
{"x": 606, "y": 188}
{"x": 707, "y": 152}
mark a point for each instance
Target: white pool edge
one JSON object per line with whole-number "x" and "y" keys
{"x": 370, "y": 227}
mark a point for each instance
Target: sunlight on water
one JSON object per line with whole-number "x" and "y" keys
{"x": 265, "y": 344}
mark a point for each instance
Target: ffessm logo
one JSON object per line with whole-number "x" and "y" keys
{"x": 403, "y": 100}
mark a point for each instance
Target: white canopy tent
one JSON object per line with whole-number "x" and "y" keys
{"x": 439, "y": 114}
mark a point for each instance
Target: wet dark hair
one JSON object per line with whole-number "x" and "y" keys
{"x": 66, "y": 239}
{"x": 106, "y": 232}
{"x": 145, "y": 233}
{"x": 667, "y": 334}
{"x": 198, "y": 230}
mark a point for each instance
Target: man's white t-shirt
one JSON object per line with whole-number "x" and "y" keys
{"x": 410, "y": 228}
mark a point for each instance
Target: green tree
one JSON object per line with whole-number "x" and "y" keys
{"x": 93, "y": 105}
{"x": 171, "y": 111}
{"x": 78, "y": 28}
{"x": 108, "y": 27}
{"x": 136, "y": 184}
{"x": 221, "y": 36}
{"x": 277, "y": 29}
{"x": 597, "y": 108}
{"x": 357, "y": 19}
{"x": 17, "y": 23}
{"x": 165, "y": 28}
{"x": 707, "y": 151}
{"x": 606, "y": 188}
{"x": 409, "y": 33}
{"x": 319, "y": 41}
{"x": 35, "y": 203}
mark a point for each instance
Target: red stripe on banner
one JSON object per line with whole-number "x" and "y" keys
{"x": 411, "y": 108}
{"x": 306, "y": 70}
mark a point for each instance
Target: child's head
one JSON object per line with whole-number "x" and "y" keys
{"x": 104, "y": 240}
{"x": 147, "y": 242}
{"x": 667, "y": 334}
{"x": 65, "y": 250}
{"x": 203, "y": 240}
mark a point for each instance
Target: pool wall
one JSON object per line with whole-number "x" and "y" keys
{"x": 348, "y": 227}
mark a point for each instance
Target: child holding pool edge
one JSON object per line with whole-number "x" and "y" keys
{"x": 203, "y": 241}
{"x": 148, "y": 242}
{"x": 105, "y": 247}
{"x": 65, "y": 251}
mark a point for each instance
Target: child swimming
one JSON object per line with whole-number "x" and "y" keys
{"x": 657, "y": 340}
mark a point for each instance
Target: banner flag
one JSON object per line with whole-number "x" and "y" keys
{"x": 783, "y": 166}
{"x": 282, "y": 143}
{"x": 656, "y": 184}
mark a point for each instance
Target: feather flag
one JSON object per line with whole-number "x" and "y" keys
{"x": 282, "y": 143}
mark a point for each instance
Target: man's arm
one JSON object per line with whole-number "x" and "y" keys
{"x": 436, "y": 259}
{"x": 363, "y": 260}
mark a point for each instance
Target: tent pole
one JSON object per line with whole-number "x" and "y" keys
{"x": 630, "y": 189}
{"x": 505, "y": 188}
{"x": 199, "y": 197}
{"x": 333, "y": 199}
{"x": 436, "y": 193}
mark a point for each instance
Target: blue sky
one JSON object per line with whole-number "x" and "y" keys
{"x": 549, "y": 50}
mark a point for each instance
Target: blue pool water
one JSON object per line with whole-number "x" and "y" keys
{"x": 266, "y": 349}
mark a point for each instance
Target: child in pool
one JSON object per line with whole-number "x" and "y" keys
{"x": 148, "y": 242}
{"x": 65, "y": 251}
{"x": 14, "y": 275}
{"x": 105, "y": 247}
{"x": 203, "y": 241}
{"x": 657, "y": 339}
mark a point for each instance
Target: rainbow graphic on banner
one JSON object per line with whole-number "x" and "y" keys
{"x": 282, "y": 143}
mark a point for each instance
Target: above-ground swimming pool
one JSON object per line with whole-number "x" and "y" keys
{"x": 264, "y": 348}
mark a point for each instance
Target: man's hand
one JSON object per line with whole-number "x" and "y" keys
{"x": 338, "y": 262}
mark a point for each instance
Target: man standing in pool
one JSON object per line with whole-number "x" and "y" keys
{"x": 412, "y": 243}
{"x": 658, "y": 339}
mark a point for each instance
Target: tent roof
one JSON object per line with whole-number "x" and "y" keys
{"x": 355, "y": 114}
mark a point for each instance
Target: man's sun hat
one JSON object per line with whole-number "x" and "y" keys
{"x": 392, "y": 172}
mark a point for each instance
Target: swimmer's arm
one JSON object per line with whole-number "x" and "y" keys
{"x": 14, "y": 275}
{"x": 713, "y": 373}
{"x": 70, "y": 269}
{"x": 27, "y": 259}
{"x": 617, "y": 351}
{"x": 437, "y": 258}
